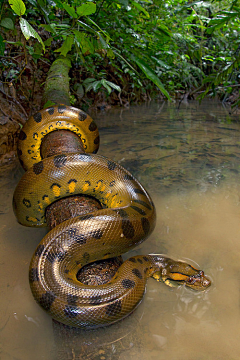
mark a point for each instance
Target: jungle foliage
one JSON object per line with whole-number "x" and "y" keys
{"x": 141, "y": 48}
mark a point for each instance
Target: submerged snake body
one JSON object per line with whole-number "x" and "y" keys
{"x": 127, "y": 218}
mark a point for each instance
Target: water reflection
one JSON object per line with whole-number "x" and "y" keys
{"x": 189, "y": 161}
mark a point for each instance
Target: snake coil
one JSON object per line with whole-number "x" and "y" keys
{"x": 128, "y": 217}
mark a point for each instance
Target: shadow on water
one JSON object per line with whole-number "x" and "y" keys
{"x": 189, "y": 161}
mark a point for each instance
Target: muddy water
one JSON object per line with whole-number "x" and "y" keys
{"x": 189, "y": 160}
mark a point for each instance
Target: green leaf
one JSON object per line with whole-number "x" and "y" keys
{"x": 2, "y": 45}
{"x": 48, "y": 104}
{"x": 114, "y": 86}
{"x": 101, "y": 30}
{"x": 88, "y": 81}
{"x": 96, "y": 85}
{"x": 70, "y": 10}
{"x": 123, "y": 2}
{"x": 66, "y": 46}
{"x": 86, "y": 9}
{"x": 28, "y": 31}
{"x": 161, "y": 63}
{"x": 48, "y": 41}
{"x": 7, "y": 23}
{"x": 50, "y": 28}
{"x": 152, "y": 76}
{"x": 140, "y": 8}
{"x": 18, "y": 6}
{"x": 105, "y": 84}
{"x": 84, "y": 42}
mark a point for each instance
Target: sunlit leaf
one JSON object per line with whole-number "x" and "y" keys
{"x": 28, "y": 31}
{"x": 18, "y": 6}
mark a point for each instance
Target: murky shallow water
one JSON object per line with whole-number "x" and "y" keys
{"x": 189, "y": 161}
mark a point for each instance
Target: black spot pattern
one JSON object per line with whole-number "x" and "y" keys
{"x": 128, "y": 177}
{"x": 61, "y": 109}
{"x": 72, "y": 233}
{"x": 37, "y": 117}
{"x": 19, "y": 152}
{"x": 55, "y": 184}
{"x": 111, "y": 165}
{"x": 72, "y": 180}
{"x": 143, "y": 203}
{"x": 51, "y": 256}
{"x": 95, "y": 300}
{"x": 80, "y": 239}
{"x": 96, "y": 140}
{"x": 96, "y": 234}
{"x": 82, "y": 116}
{"x": 140, "y": 260}
{"x": 86, "y": 217}
{"x": 145, "y": 225}
{"x": 39, "y": 250}
{"x": 21, "y": 162}
{"x": 59, "y": 160}
{"x": 137, "y": 273}
{"x": 128, "y": 284}
{"x": 122, "y": 213}
{"x": 70, "y": 311}
{"x": 51, "y": 111}
{"x": 61, "y": 255}
{"x": 22, "y": 135}
{"x": 38, "y": 167}
{"x": 132, "y": 259}
{"x": 139, "y": 191}
{"x": 128, "y": 229}
{"x": 88, "y": 182}
{"x": 114, "y": 309}
{"x": 92, "y": 126}
{"x": 145, "y": 258}
{"x": 47, "y": 299}
{"x": 27, "y": 203}
{"x": 140, "y": 211}
{"x": 72, "y": 299}
{"x": 33, "y": 275}
{"x": 112, "y": 183}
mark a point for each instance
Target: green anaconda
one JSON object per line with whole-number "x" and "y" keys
{"x": 127, "y": 218}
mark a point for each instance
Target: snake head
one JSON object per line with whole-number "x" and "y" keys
{"x": 174, "y": 273}
{"x": 191, "y": 277}
{"x": 198, "y": 281}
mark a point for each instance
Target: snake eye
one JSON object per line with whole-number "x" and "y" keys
{"x": 191, "y": 280}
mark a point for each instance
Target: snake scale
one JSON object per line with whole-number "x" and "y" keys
{"x": 127, "y": 218}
